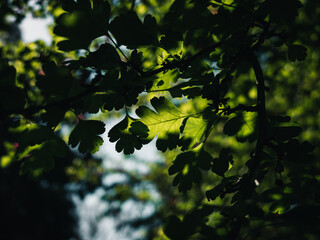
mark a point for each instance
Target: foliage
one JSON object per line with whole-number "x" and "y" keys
{"x": 219, "y": 76}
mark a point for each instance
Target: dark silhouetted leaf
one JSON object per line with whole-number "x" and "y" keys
{"x": 131, "y": 32}
{"x": 86, "y": 134}
{"x": 82, "y": 23}
{"x": 233, "y": 125}
{"x": 297, "y": 53}
{"x": 188, "y": 165}
{"x": 221, "y": 164}
{"x": 129, "y": 135}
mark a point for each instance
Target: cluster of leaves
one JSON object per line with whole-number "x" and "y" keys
{"x": 164, "y": 60}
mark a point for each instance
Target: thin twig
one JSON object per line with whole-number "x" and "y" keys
{"x": 240, "y": 107}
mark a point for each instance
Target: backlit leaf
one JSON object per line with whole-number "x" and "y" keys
{"x": 164, "y": 121}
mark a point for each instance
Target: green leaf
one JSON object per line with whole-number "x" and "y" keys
{"x": 53, "y": 116}
{"x": 12, "y": 98}
{"x": 233, "y": 126}
{"x": 129, "y": 135}
{"x": 248, "y": 129}
{"x": 213, "y": 194}
{"x": 82, "y": 24}
{"x": 299, "y": 153}
{"x": 38, "y": 145}
{"x": 139, "y": 129}
{"x": 123, "y": 91}
{"x": 108, "y": 80}
{"x": 34, "y": 135}
{"x": 187, "y": 89}
{"x": 86, "y": 134}
{"x": 91, "y": 103}
{"x": 57, "y": 81}
{"x": 282, "y": 12}
{"x": 284, "y": 133}
{"x": 41, "y": 158}
{"x": 220, "y": 189}
{"x": 297, "y": 53}
{"x": 193, "y": 132}
{"x": 173, "y": 227}
{"x": 106, "y": 57}
{"x": 165, "y": 122}
{"x": 221, "y": 164}
{"x": 131, "y": 32}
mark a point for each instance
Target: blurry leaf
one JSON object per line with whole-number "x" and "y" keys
{"x": 57, "y": 81}
{"x": 173, "y": 227}
{"x": 213, "y": 194}
{"x": 34, "y": 135}
{"x": 41, "y": 159}
{"x": 284, "y": 133}
{"x": 12, "y": 98}
{"x": 299, "y": 153}
{"x": 131, "y": 32}
{"x": 297, "y": 52}
{"x": 37, "y": 148}
{"x": 282, "y": 12}
{"x": 86, "y": 133}
{"x": 53, "y": 116}
{"x": 82, "y": 24}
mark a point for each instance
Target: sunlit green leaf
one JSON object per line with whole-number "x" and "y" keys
{"x": 165, "y": 122}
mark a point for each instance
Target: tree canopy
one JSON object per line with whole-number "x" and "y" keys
{"x": 229, "y": 89}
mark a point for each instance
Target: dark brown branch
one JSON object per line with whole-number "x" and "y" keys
{"x": 63, "y": 102}
{"x": 261, "y": 109}
{"x": 132, "y": 5}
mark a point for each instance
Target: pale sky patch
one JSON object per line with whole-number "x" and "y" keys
{"x": 33, "y": 29}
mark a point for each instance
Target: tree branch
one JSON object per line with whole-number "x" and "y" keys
{"x": 132, "y": 5}
{"x": 240, "y": 107}
{"x": 261, "y": 109}
{"x": 63, "y": 102}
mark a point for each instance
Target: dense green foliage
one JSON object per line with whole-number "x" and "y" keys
{"x": 221, "y": 85}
